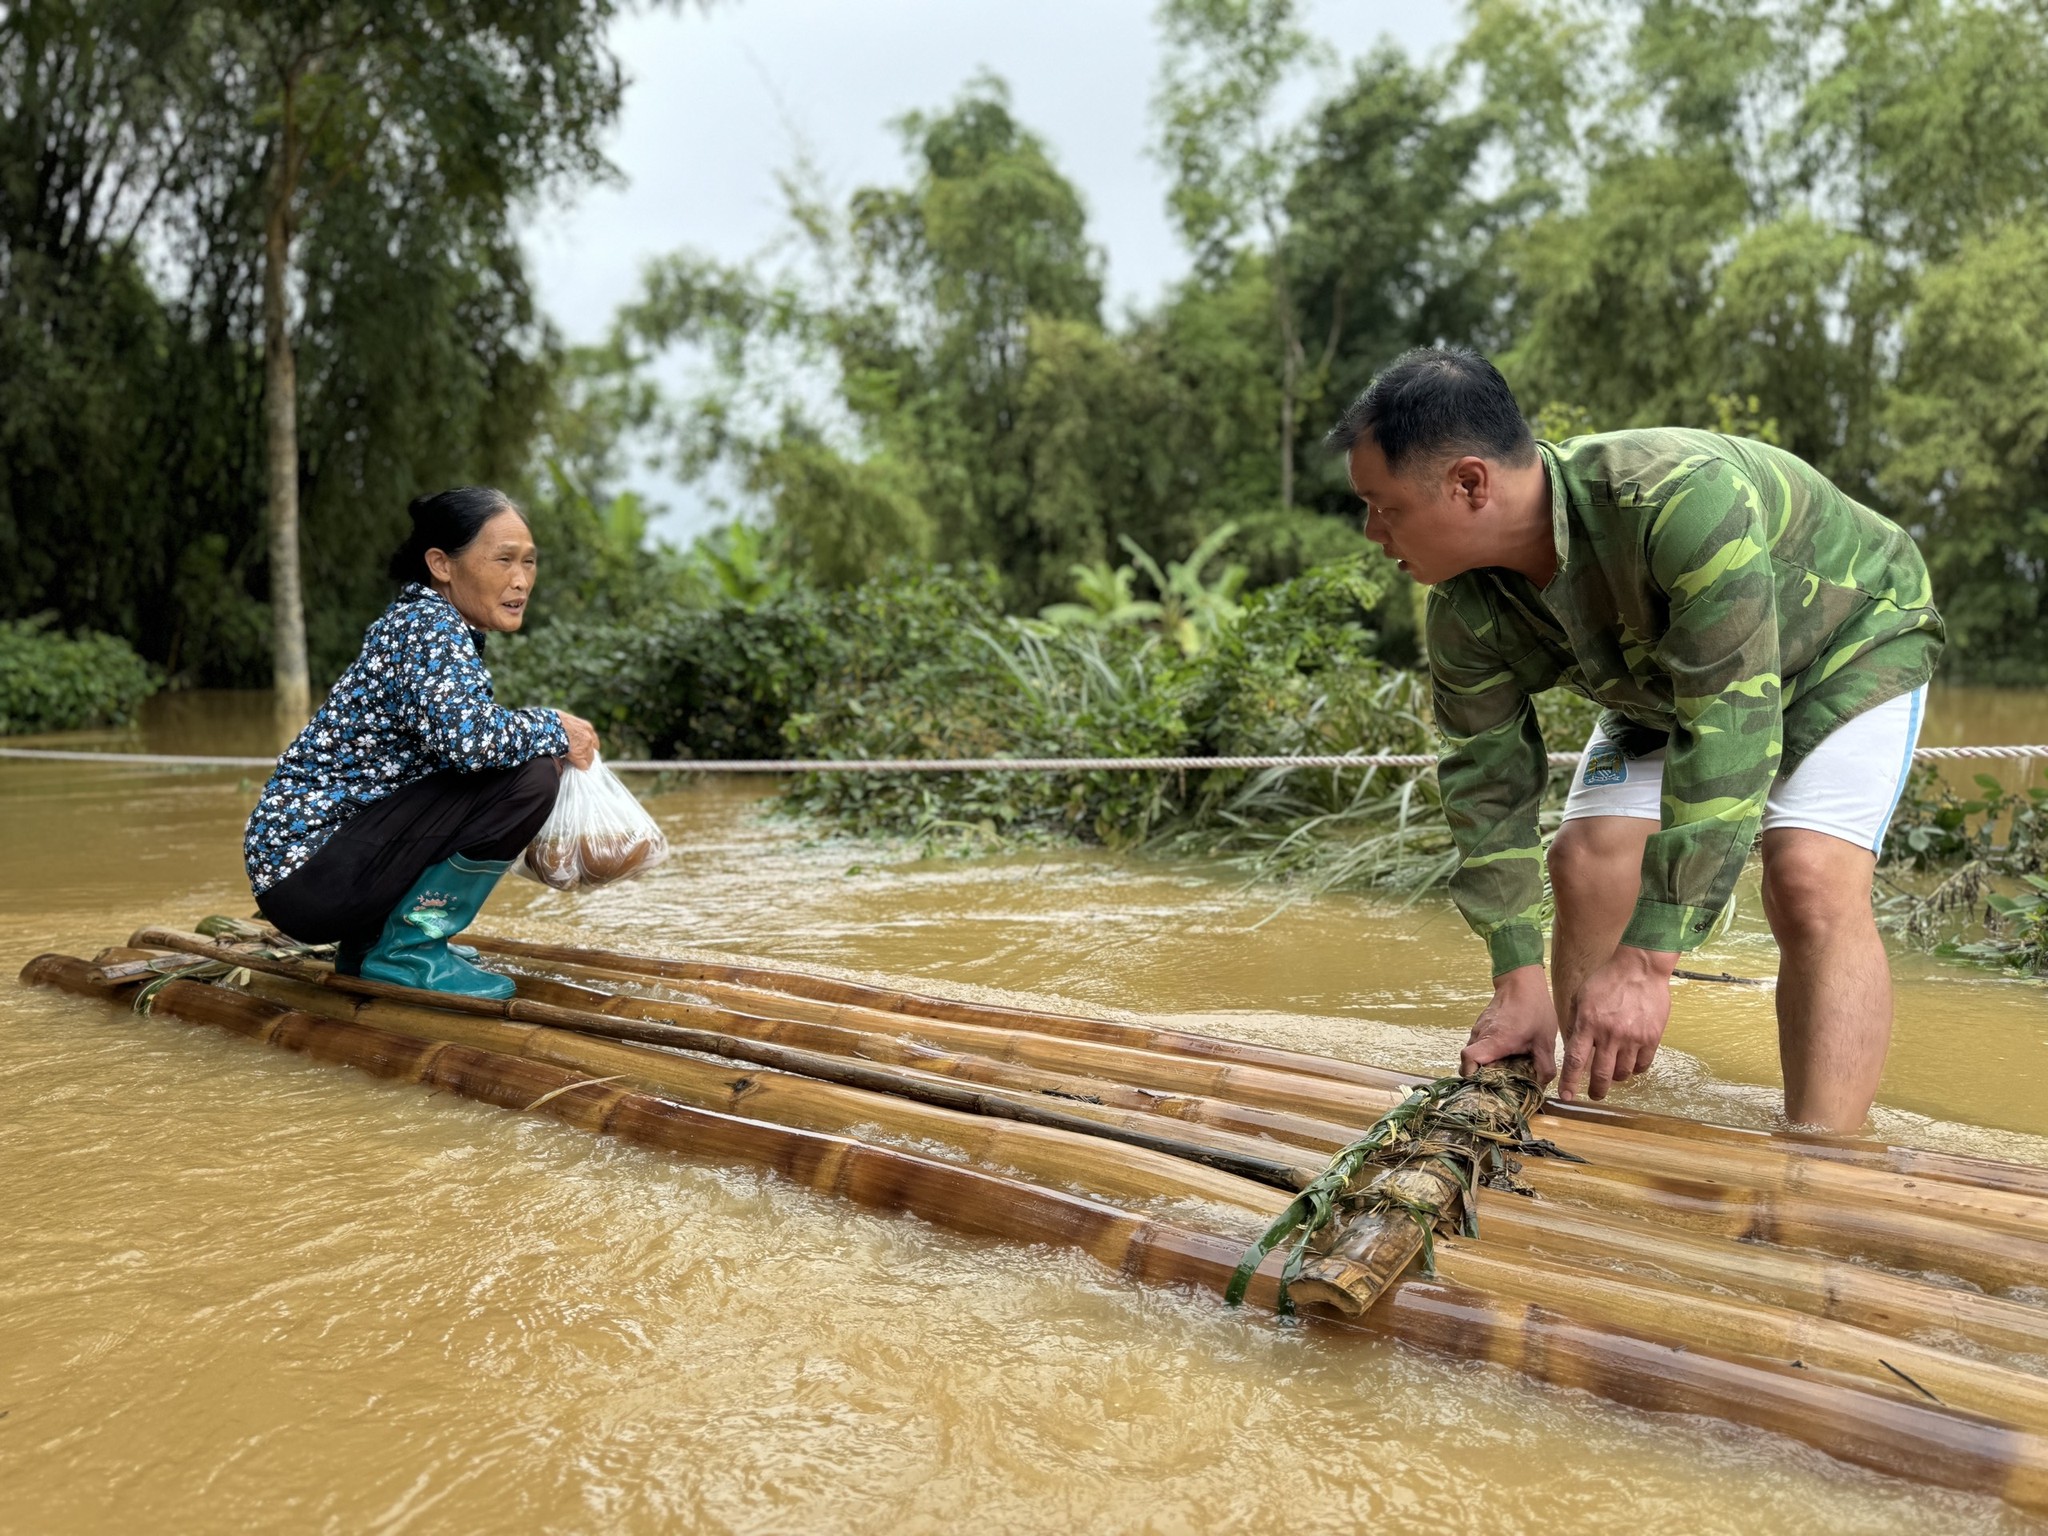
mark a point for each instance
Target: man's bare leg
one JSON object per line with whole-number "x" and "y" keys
{"x": 1596, "y": 873}
{"x": 1834, "y": 983}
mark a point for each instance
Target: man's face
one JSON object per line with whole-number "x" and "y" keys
{"x": 1423, "y": 517}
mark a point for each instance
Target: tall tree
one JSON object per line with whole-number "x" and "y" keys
{"x": 1970, "y": 417}
{"x": 122, "y": 425}
{"x": 923, "y": 311}
{"x": 1389, "y": 243}
{"x": 1232, "y": 161}
{"x": 469, "y": 104}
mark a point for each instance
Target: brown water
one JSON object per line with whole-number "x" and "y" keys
{"x": 243, "y": 1290}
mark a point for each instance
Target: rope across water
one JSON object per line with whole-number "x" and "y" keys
{"x": 953, "y": 764}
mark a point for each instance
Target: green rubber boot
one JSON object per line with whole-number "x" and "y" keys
{"x": 413, "y": 949}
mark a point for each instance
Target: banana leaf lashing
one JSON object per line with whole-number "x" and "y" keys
{"x": 1419, "y": 1162}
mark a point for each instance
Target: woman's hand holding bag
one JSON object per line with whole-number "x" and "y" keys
{"x": 597, "y": 833}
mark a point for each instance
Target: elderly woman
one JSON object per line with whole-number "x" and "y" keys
{"x": 392, "y": 816}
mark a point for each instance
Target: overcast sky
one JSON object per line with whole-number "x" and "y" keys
{"x": 718, "y": 102}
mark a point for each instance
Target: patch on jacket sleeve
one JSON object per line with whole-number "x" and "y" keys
{"x": 1606, "y": 765}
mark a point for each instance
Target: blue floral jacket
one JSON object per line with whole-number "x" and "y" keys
{"x": 417, "y": 701}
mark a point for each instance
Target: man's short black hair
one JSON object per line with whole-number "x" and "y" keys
{"x": 1437, "y": 403}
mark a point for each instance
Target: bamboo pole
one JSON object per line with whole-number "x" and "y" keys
{"x": 1917, "y": 1439}
{"x": 1875, "y": 1234}
{"x": 1844, "y": 1292}
{"x": 1788, "y": 1278}
{"x": 1721, "y": 1323}
{"x": 829, "y": 1000}
{"x": 1784, "y": 1173}
{"x": 844, "y": 1104}
{"x": 1907, "y": 1162}
{"x": 1857, "y": 1151}
{"x": 1083, "y": 1094}
{"x": 1057, "y": 1156}
{"x": 956, "y": 1195}
{"x": 1871, "y": 1232}
{"x": 1768, "y": 1167}
{"x": 2007, "y": 1195}
{"x": 1258, "y": 1086}
{"x": 1062, "y": 1156}
{"x": 1984, "y": 1237}
{"x": 973, "y": 1047}
{"x": 913, "y": 1005}
{"x": 755, "y": 1040}
{"x": 1841, "y": 1291}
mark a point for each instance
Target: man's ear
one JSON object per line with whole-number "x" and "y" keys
{"x": 1471, "y": 481}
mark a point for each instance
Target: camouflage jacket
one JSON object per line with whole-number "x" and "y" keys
{"x": 1721, "y": 598}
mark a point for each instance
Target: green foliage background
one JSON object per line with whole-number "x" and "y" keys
{"x": 136, "y": 137}
{"x": 1820, "y": 223}
{"x": 1825, "y": 221}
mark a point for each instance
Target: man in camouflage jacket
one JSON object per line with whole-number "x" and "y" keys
{"x": 1733, "y": 611}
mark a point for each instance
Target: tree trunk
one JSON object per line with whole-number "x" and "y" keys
{"x": 1290, "y": 385}
{"x": 1290, "y": 355}
{"x": 294, "y": 690}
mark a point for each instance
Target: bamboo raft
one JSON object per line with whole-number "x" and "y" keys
{"x": 1885, "y": 1305}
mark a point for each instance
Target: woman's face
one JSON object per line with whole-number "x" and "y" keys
{"x": 490, "y": 581}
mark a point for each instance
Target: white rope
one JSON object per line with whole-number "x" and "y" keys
{"x": 1034, "y": 764}
{"x": 137, "y": 759}
{"x": 951, "y": 764}
{"x": 1942, "y": 754}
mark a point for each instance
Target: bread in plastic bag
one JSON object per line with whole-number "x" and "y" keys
{"x": 597, "y": 833}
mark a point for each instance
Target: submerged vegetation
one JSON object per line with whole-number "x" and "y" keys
{"x": 921, "y": 663}
{"x": 51, "y": 681}
{"x": 1951, "y": 857}
{"x": 924, "y": 664}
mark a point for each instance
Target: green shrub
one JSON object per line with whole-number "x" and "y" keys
{"x": 923, "y": 664}
{"x": 1291, "y": 672}
{"x": 708, "y": 683}
{"x": 55, "y": 682}
{"x": 725, "y": 681}
{"x": 1281, "y": 543}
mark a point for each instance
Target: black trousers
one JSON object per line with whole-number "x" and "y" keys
{"x": 353, "y": 880}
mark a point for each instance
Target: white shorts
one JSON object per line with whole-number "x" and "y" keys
{"x": 1848, "y": 786}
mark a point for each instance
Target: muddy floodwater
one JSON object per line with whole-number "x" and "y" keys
{"x": 244, "y": 1291}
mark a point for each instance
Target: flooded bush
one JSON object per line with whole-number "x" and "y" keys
{"x": 924, "y": 664}
{"x": 1963, "y": 872}
{"x": 50, "y": 681}
{"x": 729, "y": 678}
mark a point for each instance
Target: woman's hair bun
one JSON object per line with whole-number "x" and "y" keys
{"x": 448, "y": 521}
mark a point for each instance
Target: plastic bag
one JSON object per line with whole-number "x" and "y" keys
{"x": 597, "y": 833}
